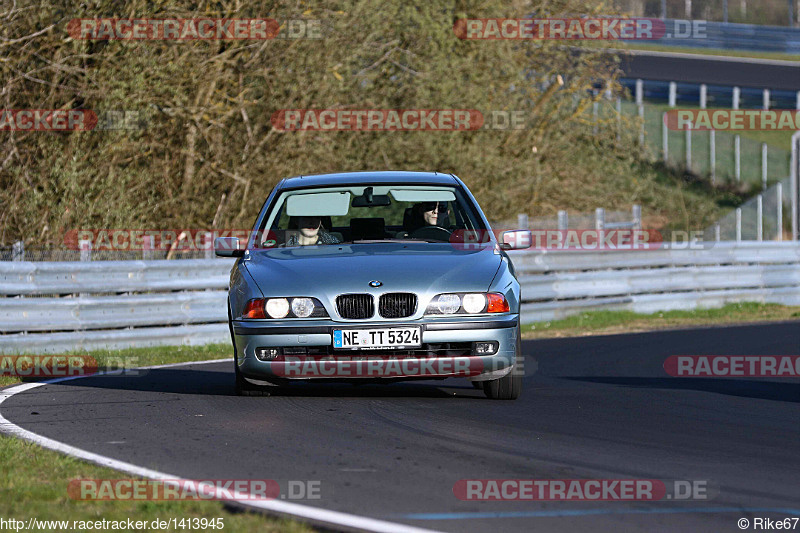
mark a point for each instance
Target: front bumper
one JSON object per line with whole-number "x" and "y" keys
{"x": 317, "y": 337}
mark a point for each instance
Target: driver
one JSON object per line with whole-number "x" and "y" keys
{"x": 311, "y": 231}
{"x": 428, "y": 214}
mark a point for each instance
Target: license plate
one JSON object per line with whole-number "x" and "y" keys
{"x": 377, "y": 338}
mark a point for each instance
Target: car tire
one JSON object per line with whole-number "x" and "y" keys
{"x": 509, "y": 386}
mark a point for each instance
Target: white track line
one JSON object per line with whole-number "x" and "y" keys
{"x": 310, "y": 514}
{"x": 710, "y": 57}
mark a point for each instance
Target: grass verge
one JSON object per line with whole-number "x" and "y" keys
{"x": 33, "y": 480}
{"x": 611, "y": 322}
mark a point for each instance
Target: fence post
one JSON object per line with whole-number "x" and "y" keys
{"x": 563, "y": 220}
{"x": 85, "y": 246}
{"x": 673, "y": 93}
{"x": 797, "y": 104}
{"x": 640, "y": 92}
{"x": 689, "y": 148}
{"x": 736, "y": 95}
{"x": 522, "y": 221}
{"x": 738, "y": 224}
{"x": 779, "y": 210}
{"x": 737, "y": 157}
{"x": 637, "y": 216}
{"x": 595, "y": 106}
{"x": 148, "y": 245}
{"x": 18, "y": 251}
{"x": 712, "y": 150}
{"x": 703, "y": 95}
{"x": 619, "y": 117}
{"x": 664, "y": 138}
{"x": 209, "y": 244}
{"x": 764, "y": 166}
{"x": 760, "y": 217}
{"x": 641, "y": 129}
{"x": 793, "y": 182}
{"x": 765, "y": 99}
{"x": 717, "y": 232}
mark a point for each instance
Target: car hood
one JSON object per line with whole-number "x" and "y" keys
{"x": 336, "y": 269}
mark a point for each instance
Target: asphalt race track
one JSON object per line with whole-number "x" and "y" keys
{"x": 695, "y": 68}
{"x": 593, "y": 408}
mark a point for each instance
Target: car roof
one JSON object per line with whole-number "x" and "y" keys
{"x": 368, "y": 177}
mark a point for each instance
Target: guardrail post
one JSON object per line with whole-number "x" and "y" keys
{"x": 595, "y": 108}
{"x": 18, "y": 251}
{"x": 209, "y": 245}
{"x": 599, "y": 218}
{"x": 85, "y": 246}
{"x": 764, "y": 166}
{"x": 664, "y": 138}
{"x": 736, "y": 95}
{"x": 738, "y": 224}
{"x": 717, "y": 232}
{"x": 673, "y": 93}
{"x": 712, "y": 151}
{"x": 760, "y": 217}
{"x": 703, "y": 95}
{"x": 522, "y": 221}
{"x": 797, "y": 104}
{"x": 637, "y": 216}
{"x": 737, "y": 157}
{"x": 563, "y": 220}
{"x": 640, "y": 92}
{"x": 765, "y": 99}
{"x": 779, "y": 211}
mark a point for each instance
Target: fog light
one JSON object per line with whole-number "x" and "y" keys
{"x": 485, "y": 348}
{"x": 267, "y": 354}
{"x": 295, "y": 350}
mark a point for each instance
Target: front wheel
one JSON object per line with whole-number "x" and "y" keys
{"x": 509, "y": 386}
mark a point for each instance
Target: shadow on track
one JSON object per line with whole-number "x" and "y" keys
{"x": 216, "y": 383}
{"x": 762, "y": 390}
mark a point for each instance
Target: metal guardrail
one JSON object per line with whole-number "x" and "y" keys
{"x": 734, "y": 36}
{"x": 118, "y": 304}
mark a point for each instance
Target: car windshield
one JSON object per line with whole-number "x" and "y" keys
{"x": 368, "y": 213}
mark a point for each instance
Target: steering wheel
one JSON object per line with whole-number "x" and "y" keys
{"x": 436, "y": 233}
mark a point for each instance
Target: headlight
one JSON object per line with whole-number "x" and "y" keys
{"x": 468, "y": 303}
{"x": 474, "y": 303}
{"x": 448, "y": 303}
{"x": 302, "y": 307}
{"x": 277, "y": 307}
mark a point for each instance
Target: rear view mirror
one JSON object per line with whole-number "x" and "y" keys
{"x": 227, "y": 247}
{"x": 378, "y": 200}
{"x": 517, "y": 239}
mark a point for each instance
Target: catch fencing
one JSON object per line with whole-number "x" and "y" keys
{"x": 52, "y": 307}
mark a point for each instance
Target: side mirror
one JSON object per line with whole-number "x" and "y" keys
{"x": 517, "y": 239}
{"x": 227, "y": 247}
